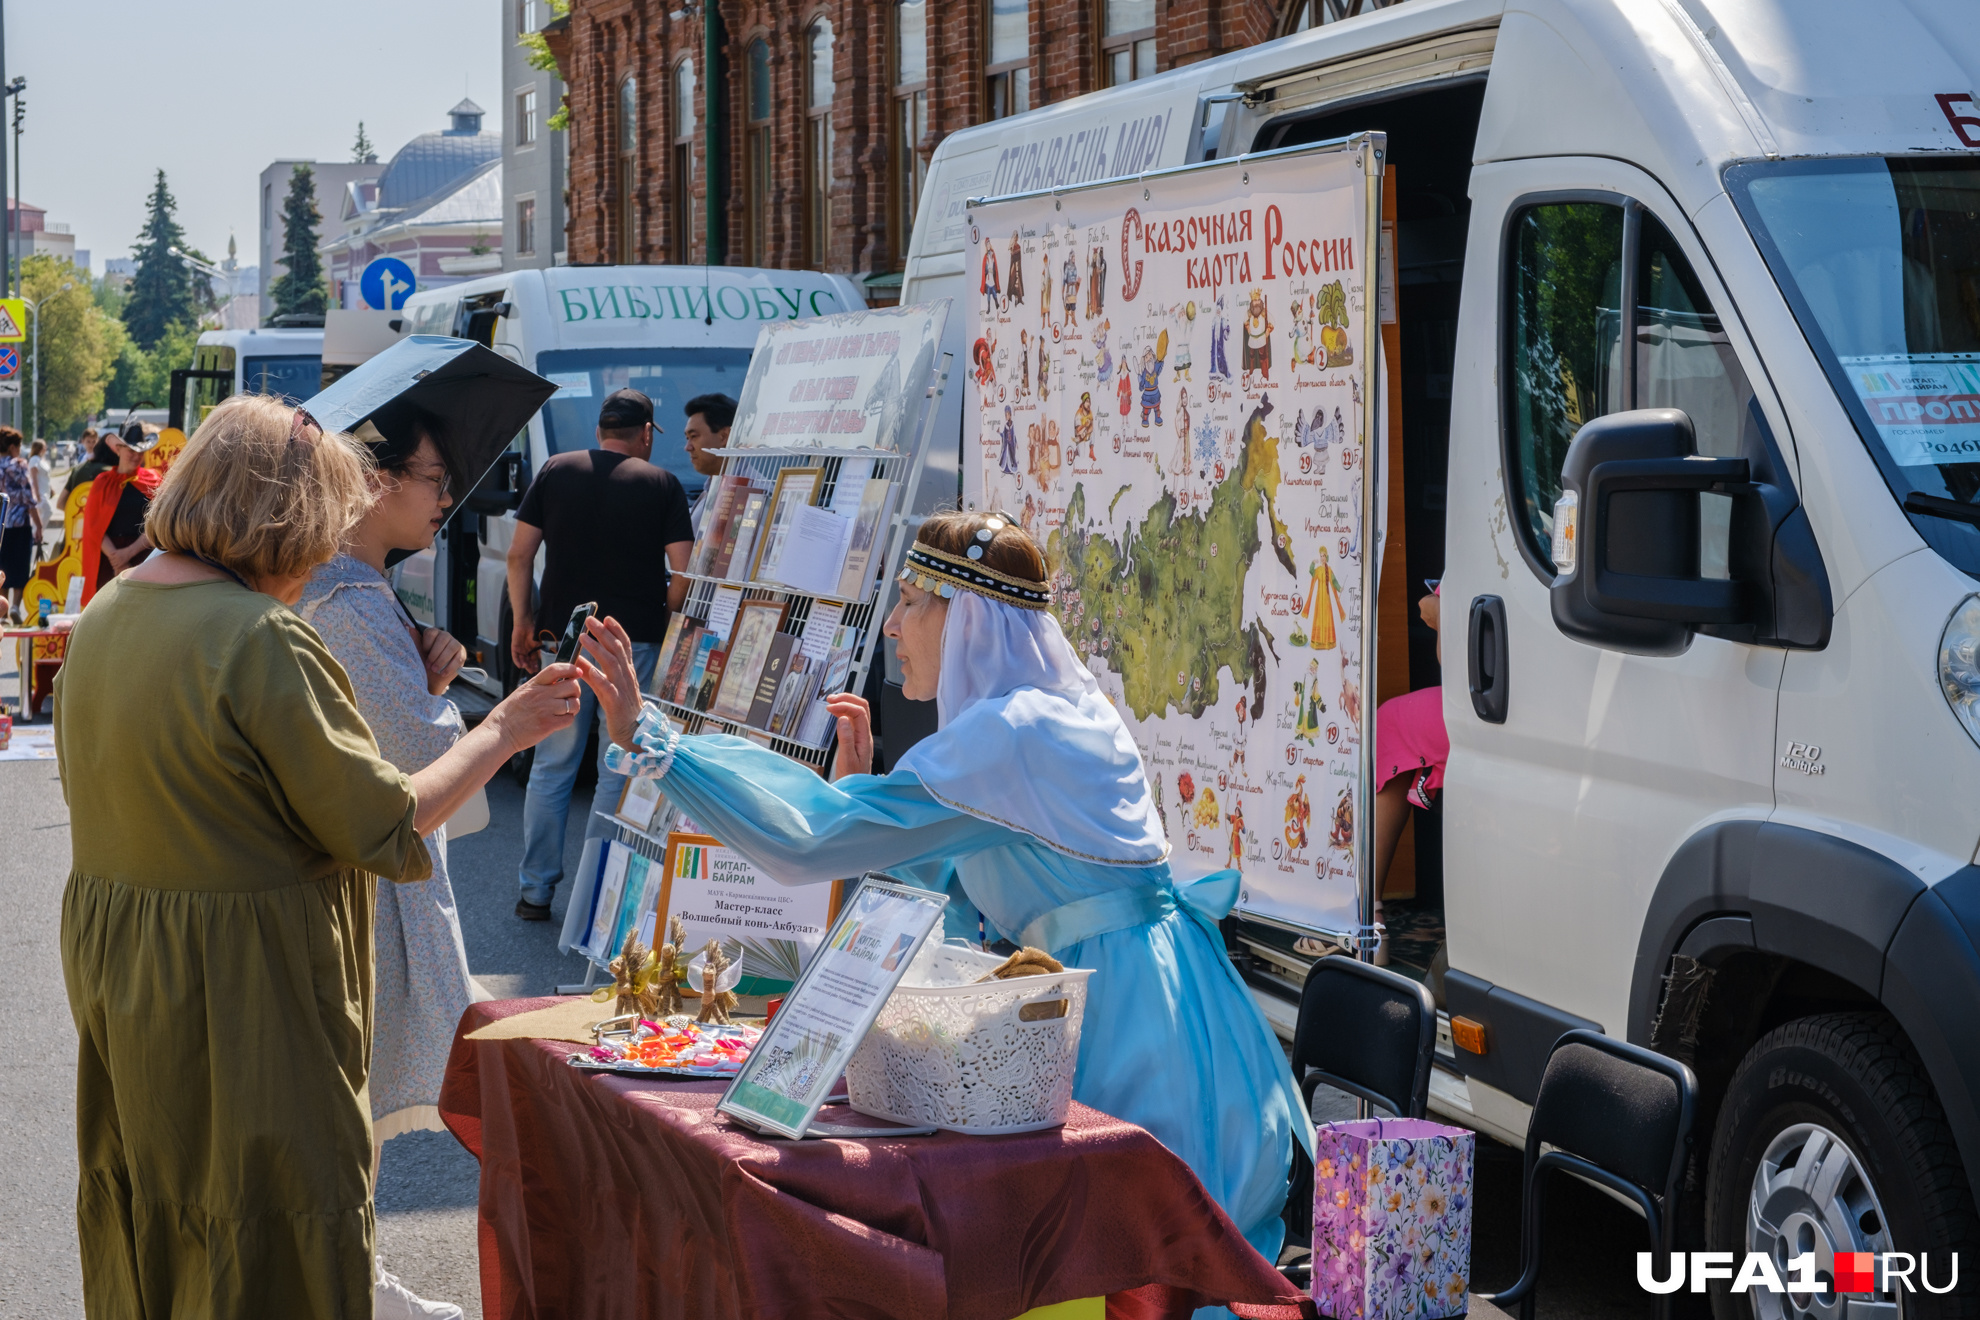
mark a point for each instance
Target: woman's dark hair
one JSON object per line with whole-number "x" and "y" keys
{"x": 103, "y": 453}
{"x": 10, "y": 439}
{"x": 1010, "y": 549}
{"x": 404, "y": 425}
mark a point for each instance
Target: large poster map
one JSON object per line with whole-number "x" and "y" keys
{"x": 1168, "y": 395}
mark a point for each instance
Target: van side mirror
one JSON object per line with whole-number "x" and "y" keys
{"x": 1626, "y": 541}
{"x": 500, "y": 489}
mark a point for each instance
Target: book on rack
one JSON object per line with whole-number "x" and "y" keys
{"x": 776, "y": 662}
{"x": 815, "y": 727}
{"x": 723, "y": 500}
{"x": 867, "y": 540}
{"x": 711, "y": 680}
{"x": 757, "y": 625}
{"x": 689, "y": 691}
{"x": 814, "y": 551}
{"x": 668, "y": 671}
{"x": 799, "y": 685}
{"x": 733, "y": 561}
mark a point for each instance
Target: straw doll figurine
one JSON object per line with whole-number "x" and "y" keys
{"x": 715, "y": 1004}
{"x": 668, "y": 968}
{"x": 632, "y": 978}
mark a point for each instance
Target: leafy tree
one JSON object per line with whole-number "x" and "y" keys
{"x": 540, "y": 57}
{"x": 161, "y": 292}
{"x": 302, "y": 289}
{"x": 145, "y": 375}
{"x": 362, "y": 152}
{"x": 78, "y": 343}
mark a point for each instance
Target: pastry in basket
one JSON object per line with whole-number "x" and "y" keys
{"x": 1025, "y": 962}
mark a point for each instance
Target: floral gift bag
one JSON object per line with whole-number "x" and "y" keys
{"x": 1391, "y": 1219}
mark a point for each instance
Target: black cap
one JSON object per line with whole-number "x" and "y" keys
{"x": 624, "y": 410}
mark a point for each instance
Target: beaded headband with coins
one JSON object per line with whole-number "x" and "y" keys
{"x": 943, "y": 573}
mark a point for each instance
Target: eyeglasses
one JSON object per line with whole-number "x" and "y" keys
{"x": 438, "y": 480}
{"x": 299, "y": 421}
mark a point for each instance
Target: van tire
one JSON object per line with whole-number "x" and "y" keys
{"x": 1855, "y": 1075}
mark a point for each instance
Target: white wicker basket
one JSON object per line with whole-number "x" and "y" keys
{"x": 983, "y": 1059}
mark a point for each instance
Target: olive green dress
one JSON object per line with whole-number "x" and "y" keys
{"x": 228, "y": 814}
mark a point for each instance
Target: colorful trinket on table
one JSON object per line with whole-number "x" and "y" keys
{"x": 677, "y": 1046}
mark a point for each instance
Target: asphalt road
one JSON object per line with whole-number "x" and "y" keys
{"x": 427, "y": 1186}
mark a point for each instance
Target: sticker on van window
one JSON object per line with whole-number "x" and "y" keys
{"x": 571, "y": 384}
{"x": 1925, "y": 406}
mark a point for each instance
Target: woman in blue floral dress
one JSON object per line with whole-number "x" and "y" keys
{"x": 400, "y": 676}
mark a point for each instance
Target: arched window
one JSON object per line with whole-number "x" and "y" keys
{"x": 910, "y": 117}
{"x": 756, "y": 144}
{"x": 628, "y": 126}
{"x": 1007, "y": 66}
{"x": 682, "y": 184}
{"x": 818, "y": 143}
{"x": 1127, "y": 41}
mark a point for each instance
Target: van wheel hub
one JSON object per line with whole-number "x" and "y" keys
{"x": 1811, "y": 1196}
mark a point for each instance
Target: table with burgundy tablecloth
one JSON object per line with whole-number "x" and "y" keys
{"x": 605, "y": 1196}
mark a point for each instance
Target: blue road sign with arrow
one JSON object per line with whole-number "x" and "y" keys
{"x": 386, "y": 284}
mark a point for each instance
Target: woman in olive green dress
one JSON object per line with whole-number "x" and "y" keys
{"x": 230, "y": 815}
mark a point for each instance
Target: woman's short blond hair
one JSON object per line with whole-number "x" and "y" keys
{"x": 245, "y": 495}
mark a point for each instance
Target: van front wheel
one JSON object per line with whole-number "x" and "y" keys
{"x": 1831, "y": 1140}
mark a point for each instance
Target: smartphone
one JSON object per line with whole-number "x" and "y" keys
{"x": 567, "y": 649}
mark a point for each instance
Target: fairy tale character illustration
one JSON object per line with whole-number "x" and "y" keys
{"x": 1332, "y": 309}
{"x": 1241, "y": 740}
{"x": 1180, "y": 364}
{"x": 1342, "y": 835}
{"x": 1299, "y": 813}
{"x": 1083, "y": 421}
{"x": 990, "y": 285}
{"x": 1096, "y": 281}
{"x": 1014, "y": 292}
{"x": 1308, "y": 704}
{"x": 1206, "y": 808}
{"x": 1220, "y": 333}
{"x": 1149, "y": 378}
{"x": 1258, "y": 329}
{"x": 1045, "y": 295}
{"x": 1044, "y": 371}
{"x": 1069, "y": 283}
{"x": 1104, "y": 356}
{"x": 984, "y": 355}
{"x": 1007, "y": 456}
{"x": 1024, "y": 362}
{"x": 1126, "y": 393}
{"x": 1182, "y": 421}
{"x": 1323, "y": 594}
{"x": 1235, "y": 819}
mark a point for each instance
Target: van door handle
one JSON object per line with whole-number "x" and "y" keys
{"x": 1486, "y": 658}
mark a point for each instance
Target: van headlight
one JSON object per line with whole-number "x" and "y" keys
{"x": 1959, "y": 664}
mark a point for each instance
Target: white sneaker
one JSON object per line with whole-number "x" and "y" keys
{"x": 392, "y": 1300}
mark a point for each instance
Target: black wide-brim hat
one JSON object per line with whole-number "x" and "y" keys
{"x": 471, "y": 400}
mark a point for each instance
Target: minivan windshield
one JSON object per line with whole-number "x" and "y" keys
{"x": 668, "y": 376}
{"x": 291, "y": 378}
{"x": 1880, "y": 260}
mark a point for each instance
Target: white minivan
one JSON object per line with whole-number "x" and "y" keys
{"x": 1690, "y": 350}
{"x": 673, "y": 332}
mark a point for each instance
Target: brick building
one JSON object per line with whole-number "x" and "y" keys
{"x": 827, "y": 111}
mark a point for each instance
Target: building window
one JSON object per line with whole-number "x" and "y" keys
{"x": 1007, "y": 71}
{"x": 525, "y": 16}
{"x": 1127, "y": 41}
{"x": 910, "y": 117}
{"x": 525, "y": 226}
{"x": 818, "y": 144}
{"x": 628, "y": 167}
{"x": 526, "y": 118}
{"x": 756, "y": 143}
{"x": 682, "y": 183}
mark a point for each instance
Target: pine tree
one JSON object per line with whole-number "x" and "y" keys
{"x": 302, "y": 288}
{"x": 362, "y": 151}
{"x": 161, "y": 293}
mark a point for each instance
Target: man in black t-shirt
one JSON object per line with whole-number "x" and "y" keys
{"x": 614, "y": 529}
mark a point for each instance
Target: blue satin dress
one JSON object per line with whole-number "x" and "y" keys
{"x": 1172, "y": 1041}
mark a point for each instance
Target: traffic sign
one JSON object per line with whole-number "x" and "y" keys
{"x": 13, "y": 320}
{"x": 10, "y": 361}
{"x": 385, "y": 284}
{"x": 10, "y": 389}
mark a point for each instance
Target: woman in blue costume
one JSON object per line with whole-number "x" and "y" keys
{"x": 1032, "y": 797}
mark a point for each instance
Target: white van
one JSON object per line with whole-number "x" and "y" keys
{"x": 673, "y": 332}
{"x": 1712, "y": 778}
{"x": 286, "y": 362}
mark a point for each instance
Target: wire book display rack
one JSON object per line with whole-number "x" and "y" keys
{"x": 903, "y": 470}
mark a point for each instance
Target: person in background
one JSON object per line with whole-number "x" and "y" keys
{"x": 44, "y": 485}
{"x": 20, "y": 524}
{"x": 709, "y": 417}
{"x": 101, "y": 459}
{"x": 614, "y": 529}
{"x": 232, "y": 819}
{"x": 113, "y": 536}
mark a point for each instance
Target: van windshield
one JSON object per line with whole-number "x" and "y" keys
{"x": 1880, "y": 260}
{"x": 290, "y": 378}
{"x": 668, "y": 376}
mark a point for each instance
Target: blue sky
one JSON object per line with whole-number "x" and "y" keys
{"x": 214, "y": 92}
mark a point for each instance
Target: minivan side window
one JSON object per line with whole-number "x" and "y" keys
{"x": 1565, "y": 334}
